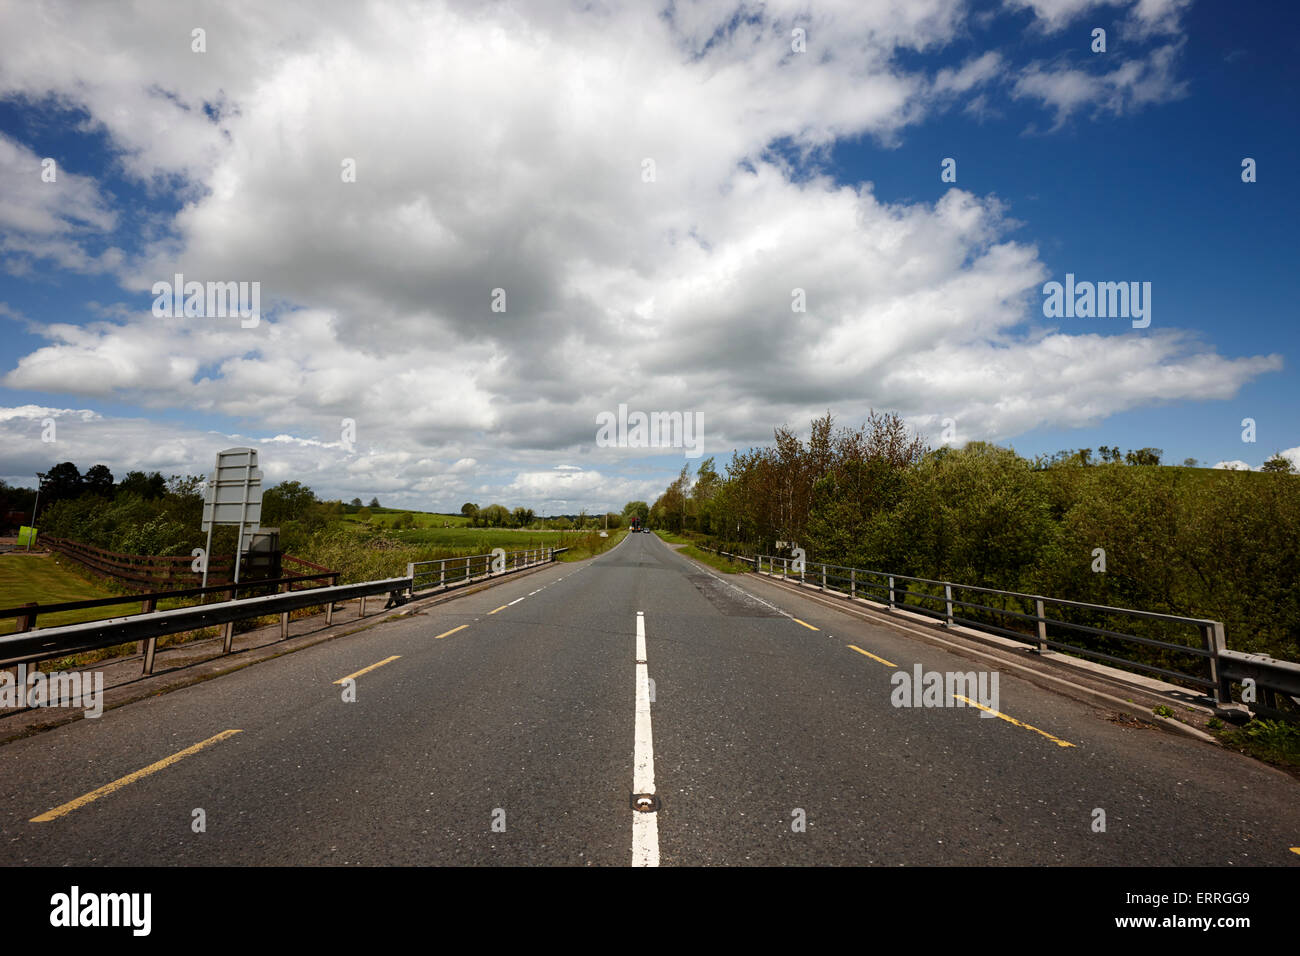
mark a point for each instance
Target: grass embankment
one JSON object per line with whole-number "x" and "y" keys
{"x": 726, "y": 565}
{"x": 1273, "y": 741}
{"x": 49, "y": 579}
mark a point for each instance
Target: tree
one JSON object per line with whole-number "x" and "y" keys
{"x": 287, "y": 501}
{"x": 148, "y": 487}
{"x": 355, "y": 502}
{"x": 636, "y": 509}
{"x": 98, "y": 480}
{"x": 374, "y": 502}
{"x": 1145, "y": 456}
{"x": 62, "y": 482}
{"x": 364, "y": 514}
{"x": 1279, "y": 463}
{"x": 185, "y": 486}
{"x": 1190, "y": 463}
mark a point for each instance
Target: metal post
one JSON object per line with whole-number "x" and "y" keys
{"x": 1212, "y": 637}
{"x": 35, "y": 504}
{"x": 853, "y": 584}
{"x": 442, "y": 573}
{"x": 947, "y": 595}
{"x": 284, "y": 615}
{"x": 363, "y": 606}
{"x": 823, "y": 577}
{"x": 891, "y": 592}
{"x": 410, "y": 573}
{"x": 207, "y": 551}
{"x": 1042, "y": 625}
{"x": 147, "y": 606}
{"x": 150, "y": 649}
{"x": 28, "y": 621}
{"x": 329, "y": 608}
{"x": 229, "y": 637}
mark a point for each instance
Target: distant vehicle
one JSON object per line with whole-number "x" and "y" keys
{"x": 636, "y": 525}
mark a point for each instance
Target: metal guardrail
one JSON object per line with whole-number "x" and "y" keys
{"x": 31, "y": 646}
{"x": 1221, "y": 667}
{"x": 28, "y": 613}
{"x": 445, "y": 573}
{"x": 48, "y": 642}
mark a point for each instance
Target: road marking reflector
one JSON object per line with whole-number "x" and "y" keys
{"x": 1059, "y": 742}
{"x": 804, "y": 623}
{"x": 645, "y": 825}
{"x": 451, "y": 632}
{"x": 108, "y": 788}
{"x": 367, "y": 670}
{"x": 871, "y": 655}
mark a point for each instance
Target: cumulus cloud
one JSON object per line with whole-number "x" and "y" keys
{"x": 1130, "y": 86}
{"x": 506, "y": 147}
{"x": 47, "y": 212}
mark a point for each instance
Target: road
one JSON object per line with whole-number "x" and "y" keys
{"x": 502, "y": 729}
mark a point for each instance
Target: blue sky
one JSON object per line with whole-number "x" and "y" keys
{"x": 516, "y": 160}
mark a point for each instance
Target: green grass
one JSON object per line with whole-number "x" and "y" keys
{"x": 50, "y": 579}
{"x": 1273, "y": 741}
{"x": 468, "y": 540}
{"x": 725, "y": 565}
{"x": 589, "y": 544}
{"x": 385, "y": 517}
{"x": 673, "y": 538}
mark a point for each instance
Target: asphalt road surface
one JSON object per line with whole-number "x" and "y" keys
{"x": 512, "y": 727}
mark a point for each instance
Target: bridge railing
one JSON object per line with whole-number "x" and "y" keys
{"x": 44, "y": 643}
{"x": 452, "y": 572}
{"x": 1189, "y": 650}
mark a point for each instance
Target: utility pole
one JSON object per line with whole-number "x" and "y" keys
{"x": 35, "y": 504}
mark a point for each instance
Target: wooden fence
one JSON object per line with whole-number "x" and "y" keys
{"x": 153, "y": 572}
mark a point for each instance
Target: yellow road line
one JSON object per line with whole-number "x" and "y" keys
{"x": 1059, "y": 742}
{"x": 108, "y": 788}
{"x": 501, "y": 608}
{"x": 451, "y": 632}
{"x": 367, "y": 670}
{"x": 1295, "y": 849}
{"x": 804, "y": 623}
{"x": 871, "y": 655}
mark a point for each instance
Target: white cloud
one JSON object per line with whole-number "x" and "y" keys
{"x": 1131, "y": 85}
{"x": 42, "y": 219}
{"x": 502, "y": 147}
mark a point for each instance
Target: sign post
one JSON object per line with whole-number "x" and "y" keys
{"x": 233, "y": 496}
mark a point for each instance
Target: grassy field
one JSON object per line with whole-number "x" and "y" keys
{"x": 385, "y": 517}
{"x": 49, "y": 579}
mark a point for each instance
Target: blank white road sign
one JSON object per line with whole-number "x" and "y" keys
{"x": 234, "y": 492}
